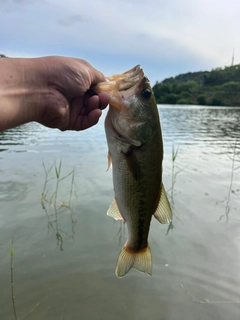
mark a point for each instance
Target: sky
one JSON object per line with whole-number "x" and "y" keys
{"x": 167, "y": 37}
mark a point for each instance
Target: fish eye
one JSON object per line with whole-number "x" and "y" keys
{"x": 146, "y": 93}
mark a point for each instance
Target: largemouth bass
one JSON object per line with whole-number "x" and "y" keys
{"x": 136, "y": 152}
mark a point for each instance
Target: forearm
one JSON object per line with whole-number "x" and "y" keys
{"x": 53, "y": 91}
{"x": 20, "y": 92}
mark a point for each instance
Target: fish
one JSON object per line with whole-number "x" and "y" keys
{"x": 135, "y": 145}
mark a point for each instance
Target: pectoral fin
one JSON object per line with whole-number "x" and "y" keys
{"x": 113, "y": 211}
{"x": 163, "y": 212}
{"x": 109, "y": 161}
{"x": 132, "y": 162}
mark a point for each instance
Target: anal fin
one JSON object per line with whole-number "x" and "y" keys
{"x": 163, "y": 212}
{"x": 113, "y": 211}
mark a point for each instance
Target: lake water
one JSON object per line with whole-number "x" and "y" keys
{"x": 64, "y": 257}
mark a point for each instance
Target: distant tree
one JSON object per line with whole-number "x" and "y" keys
{"x": 221, "y": 86}
{"x": 184, "y": 101}
{"x": 202, "y": 100}
{"x": 2, "y": 55}
{"x": 188, "y": 86}
{"x": 216, "y": 101}
{"x": 230, "y": 86}
{"x": 171, "y": 98}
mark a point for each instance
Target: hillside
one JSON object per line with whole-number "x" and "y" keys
{"x": 219, "y": 87}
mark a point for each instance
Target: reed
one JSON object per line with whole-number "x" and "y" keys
{"x": 207, "y": 301}
{"x": 234, "y": 157}
{"x": 12, "y": 282}
{"x": 172, "y": 191}
{"x": 12, "y": 288}
{"x": 51, "y": 203}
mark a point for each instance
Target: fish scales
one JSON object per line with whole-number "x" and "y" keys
{"x": 141, "y": 192}
{"x": 136, "y": 152}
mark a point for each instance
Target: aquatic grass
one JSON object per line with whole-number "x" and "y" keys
{"x": 172, "y": 191}
{"x": 12, "y": 282}
{"x": 206, "y": 301}
{"x": 51, "y": 202}
{"x": 12, "y": 288}
{"x": 233, "y": 158}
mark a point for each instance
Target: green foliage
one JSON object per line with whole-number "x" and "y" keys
{"x": 171, "y": 98}
{"x": 216, "y": 100}
{"x": 2, "y": 55}
{"x": 230, "y": 86}
{"x": 184, "y": 101}
{"x": 219, "y": 87}
{"x": 202, "y": 100}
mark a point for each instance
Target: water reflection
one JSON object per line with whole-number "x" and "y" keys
{"x": 209, "y": 128}
{"x": 234, "y": 157}
{"x": 59, "y": 213}
{"x": 201, "y": 254}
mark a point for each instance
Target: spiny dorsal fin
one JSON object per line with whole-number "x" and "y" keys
{"x": 142, "y": 261}
{"x": 114, "y": 212}
{"x": 163, "y": 212}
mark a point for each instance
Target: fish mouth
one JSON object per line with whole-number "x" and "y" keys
{"x": 121, "y": 86}
{"x": 127, "y": 79}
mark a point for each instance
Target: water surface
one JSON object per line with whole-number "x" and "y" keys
{"x": 64, "y": 260}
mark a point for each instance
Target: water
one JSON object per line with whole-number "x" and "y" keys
{"x": 64, "y": 260}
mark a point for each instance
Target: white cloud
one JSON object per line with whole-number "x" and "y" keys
{"x": 180, "y": 35}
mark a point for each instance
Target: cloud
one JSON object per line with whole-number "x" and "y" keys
{"x": 71, "y": 20}
{"x": 171, "y": 36}
{"x": 19, "y": 2}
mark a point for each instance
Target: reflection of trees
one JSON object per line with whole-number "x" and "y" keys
{"x": 53, "y": 207}
{"x": 201, "y": 126}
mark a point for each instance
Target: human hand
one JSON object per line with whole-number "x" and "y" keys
{"x": 68, "y": 101}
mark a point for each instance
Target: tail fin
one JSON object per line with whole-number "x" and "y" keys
{"x": 141, "y": 260}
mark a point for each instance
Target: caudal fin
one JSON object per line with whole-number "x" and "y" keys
{"x": 141, "y": 260}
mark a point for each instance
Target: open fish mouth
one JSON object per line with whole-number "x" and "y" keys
{"x": 127, "y": 79}
{"x": 121, "y": 86}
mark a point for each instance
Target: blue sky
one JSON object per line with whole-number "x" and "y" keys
{"x": 167, "y": 37}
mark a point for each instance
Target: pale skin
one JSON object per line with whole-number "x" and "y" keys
{"x": 54, "y": 91}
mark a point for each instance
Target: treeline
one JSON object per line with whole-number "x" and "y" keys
{"x": 219, "y": 87}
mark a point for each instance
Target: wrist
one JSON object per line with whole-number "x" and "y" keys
{"x": 20, "y": 93}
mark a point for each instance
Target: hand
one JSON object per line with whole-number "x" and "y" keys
{"x": 69, "y": 103}
{"x": 54, "y": 91}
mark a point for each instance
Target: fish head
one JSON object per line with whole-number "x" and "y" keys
{"x": 132, "y": 106}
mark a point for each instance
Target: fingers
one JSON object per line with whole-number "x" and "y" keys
{"x": 85, "y": 111}
{"x": 86, "y": 121}
{"x": 104, "y": 98}
{"x": 96, "y": 76}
